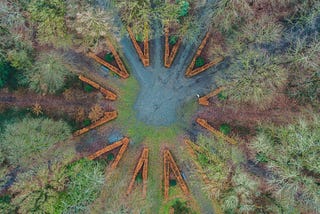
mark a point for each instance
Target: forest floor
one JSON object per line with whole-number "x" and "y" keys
{"x": 66, "y": 105}
{"x": 281, "y": 111}
{"x": 23, "y": 99}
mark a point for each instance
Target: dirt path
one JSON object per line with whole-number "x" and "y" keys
{"x": 56, "y": 102}
{"x": 281, "y": 111}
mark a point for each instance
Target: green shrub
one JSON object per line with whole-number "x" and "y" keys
{"x": 5, "y": 205}
{"x": 88, "y": 88}
{"x": 5, "y": 199}
{"x": 203, "y": 159}
{"x": 110, "y": 157}
{"x": 172, "y": 183}
{"x": 139, "y": 37}
{"x": 109, "y": 57}
{"x": 139, "y": 178}
{"x": 86, "y": 122}
{"x": 199, "y": 62}
{"x": 21, "y": 59}
{"x": 222, "y": 96}
{"x": 181, "y": 207}
{"x": 5, "y": 68}
{"x": 184, "y": 8}
{"x": 173, "y": 39}
{"x": 261, "y": 158}
{"x": 225, "y": 129}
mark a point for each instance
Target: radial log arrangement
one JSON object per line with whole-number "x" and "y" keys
{"x": 170, "y": 168}
{"x": 108, "y": 94}
{"x": 191, "y": 71}
{"x": 170, "y": 165}
{"x": 169, "y": 55}
{"x": 142, "y": 166}
{"x": 123, "y": 144}
{"x": 120, "y": 70}
{"x": 143, "y": 55}
{"x": 205, "y": 99}
{"x": 206, "y": 125}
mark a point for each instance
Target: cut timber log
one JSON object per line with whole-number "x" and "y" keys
{"x": 146, "y": 50}
{"x": 108, "y": 65}
{"x": 122, "y": 143}
{"x": 141, "y": 165}
{"x": 170, "y": 164}
{"x": 120, "y": 154}
{"x": 169, "y": 56}
{"x": 108, "y": 116}
{"x": 190, "y": 70}
{"x": 90, "y": 82}
{"x": 205, "y": 99}
{"x": 144, "y": 56}
{"x": 108, "y": 94}
{"x": 204, "y": 67}
{"x": 191, "y": 147}
{"x": 121, "y": 71}
{"x": 217, "y": 133}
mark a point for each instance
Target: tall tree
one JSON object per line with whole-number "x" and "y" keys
{"x": 254, "y": 77}
{"x": 85, "y": 181}
{"x": 93, "y": 25}
{"x": 49, "y": 18}
{"x": 304, "y": 71}
{"x": 25, "y": 141}
{"x": 229, "y": 183}
{"x": 137, "y": 14}
{"x": 292, "y": 154}
{"x": 15, "y": 36}
{"x": 48, "y": 74}
{"x": 37, "y": 190}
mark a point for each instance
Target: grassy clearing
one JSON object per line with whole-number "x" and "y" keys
{"x": 137, "y": 130}
{"x": 153, "y": 138}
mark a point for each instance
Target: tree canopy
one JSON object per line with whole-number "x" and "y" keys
{"x": 292, "y": 154}
{"x": 49, "y": 18}
{"x": 27, "y": 140}
{"x": 254, "y": 77}
{"x": 49, "y": 73}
